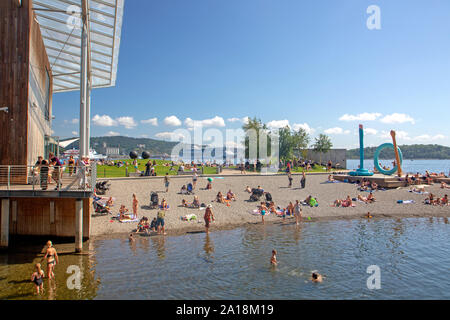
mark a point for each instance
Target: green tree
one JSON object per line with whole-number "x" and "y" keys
{"x": 286, "y": 143}
{"x": 301, "y": 141}
{"x": 259, "y": 128}
{"x": 322, "y": 145}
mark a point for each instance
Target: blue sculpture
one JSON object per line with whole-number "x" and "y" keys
{"x": 361, "y": 171}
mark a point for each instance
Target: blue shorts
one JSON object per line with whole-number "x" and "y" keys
{"x": 159, "y": 222}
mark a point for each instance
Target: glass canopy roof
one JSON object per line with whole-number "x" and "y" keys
{"x": 60, "y": 24}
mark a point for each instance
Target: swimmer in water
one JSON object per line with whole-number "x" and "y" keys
{"x": 368, "y": 215}
{"x": 316, "y": 277}
{"x": 131, "y": 238}
{"x": 273, "y": 259}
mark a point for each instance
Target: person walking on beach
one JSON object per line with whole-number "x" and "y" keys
{"x": 297, "y": 212}
{"x": 209, "y": 216}
{"x": 37, "y": 278}
{"x": 135, "y": 206}
{"x": 194, "y": 180}
{"x": 303, "y": 180}
{"x": 290, "y": 179}
{"x": 166, "y": 181}
{"x": 52, "y": 259}
{"x": 263, "y": 209}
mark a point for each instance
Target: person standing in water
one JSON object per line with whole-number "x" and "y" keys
{"x": 52, "y": 259}
{"x": 297, "y": 212}
{"x": 273, "y": 259}
{"x": 209, "y": 216}
{"x": 37, "y": 278}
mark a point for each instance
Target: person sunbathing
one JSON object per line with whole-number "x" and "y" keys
{"x": 110, "y": 202}
{"x": 370, "y": 198}
{"x": 347, "y": 202}
{"x": 219, "y": 197}
{"x": 272, "y": 208}
{"x": 374, "y": 186}
{"x": 184, "y": 203}
{"x": 183, "y": 189}
{"x": 231, "y": 196}
{"x": 430, "y": 199}
{"x": 337, "y": 203}
{"x": 361, "y": 198}
{"x": 290, "y": 209}
{"x": 196, "y": 202}
{"x": 123, "y": 213}
{"x": 418, "y": 189}
{"x": 444, "y": 201}
{"x": 248, "y": 189}
{"x": 444, "y": 185}
{"x": 330, "y": 178}
{"x": 209, "y": 186}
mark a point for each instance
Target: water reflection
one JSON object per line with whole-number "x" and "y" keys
{"x": 159, "y": 246}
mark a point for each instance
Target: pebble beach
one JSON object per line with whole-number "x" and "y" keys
{"x": 239, "y": 212}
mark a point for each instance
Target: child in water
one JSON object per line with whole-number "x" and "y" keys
{"x": 37, "y": 278}
{"x": 273, "y": 259}
{"x": 316, "y": 277}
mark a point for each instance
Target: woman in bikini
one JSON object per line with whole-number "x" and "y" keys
{"x": 135, "y": 206}
{"x": 52, "y": 259}
{"x": 37, "y": 278}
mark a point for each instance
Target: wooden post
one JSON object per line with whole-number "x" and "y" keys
{"x": 397, "y": 156}
{"x": 4, "y": 232}
{"x": 78, "y": 225}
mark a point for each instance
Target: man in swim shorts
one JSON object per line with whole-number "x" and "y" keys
{"x": 160, "y": 222}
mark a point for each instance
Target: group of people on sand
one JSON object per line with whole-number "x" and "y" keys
{"x": 225, "y": 199}
{"x": 366, "y": 185}
{"x": 433, "y": 200}
{"x": 37, "y": 277}
{"x": 291, "y": 210}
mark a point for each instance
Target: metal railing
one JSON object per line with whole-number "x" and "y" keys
{"x": 48, "y": 178}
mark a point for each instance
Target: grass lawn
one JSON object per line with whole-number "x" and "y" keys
{"x": 161, "y": 169}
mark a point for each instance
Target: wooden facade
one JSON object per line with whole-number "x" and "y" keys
{"x": 46, "y": 217}
{"x": 25, "y": 85}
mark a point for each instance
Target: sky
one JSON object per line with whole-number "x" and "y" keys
{"x": 319, "y": 65}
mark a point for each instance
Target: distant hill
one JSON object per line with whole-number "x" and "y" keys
{"x": 127, "y": 144}
{"x": 415, "y": 151}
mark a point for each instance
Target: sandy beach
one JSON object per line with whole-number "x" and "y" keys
{"x": 238, "y": 213}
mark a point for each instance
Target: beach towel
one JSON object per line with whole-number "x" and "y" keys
{"x": 419, "y": 192}
{"x": 405, "y": 201}
{"x": 256, "y": 212}
{"x": 335, "y": 181}
{"x": 129, "y": 220}
{"x": 189, "y": 217}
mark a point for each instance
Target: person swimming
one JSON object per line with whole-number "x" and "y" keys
{"x": 316, "y": 277}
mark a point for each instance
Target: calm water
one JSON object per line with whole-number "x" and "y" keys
{"x": 411, "y": 166}
{"x": 412, "y": 253}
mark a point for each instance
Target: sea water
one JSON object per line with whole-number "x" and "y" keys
{"x": 410, "y": 253}
{"x": 411, "y": 166}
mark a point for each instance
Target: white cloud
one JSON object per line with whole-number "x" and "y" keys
{"x": 104, "y": 121}
{"x": 127, "y": 122}
{"x": 361, "y": 117}
{"x": 112, "y": 134}
{"x": 244, "y": 119}
{"x": 304, "y": 126}
{"x": 277, "y": 124}
{"x": 337, "y": 130}
{"x": 169, "y": 135}
{"x": 397, "y": 118}
{"x": 370, "y": 131}
{"x": 75, "y": 121}
{"x": 172, "y": 121}
{"x": 75, "y": 133}
{"x": 403, "y": 135}
{"x": 151, "y": 121}
{"x": 214, "y": 122}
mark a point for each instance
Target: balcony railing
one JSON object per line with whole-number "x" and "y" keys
{"x": 48, "y": 178}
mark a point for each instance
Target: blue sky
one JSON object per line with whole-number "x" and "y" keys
{"x": 312, "y": 64}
